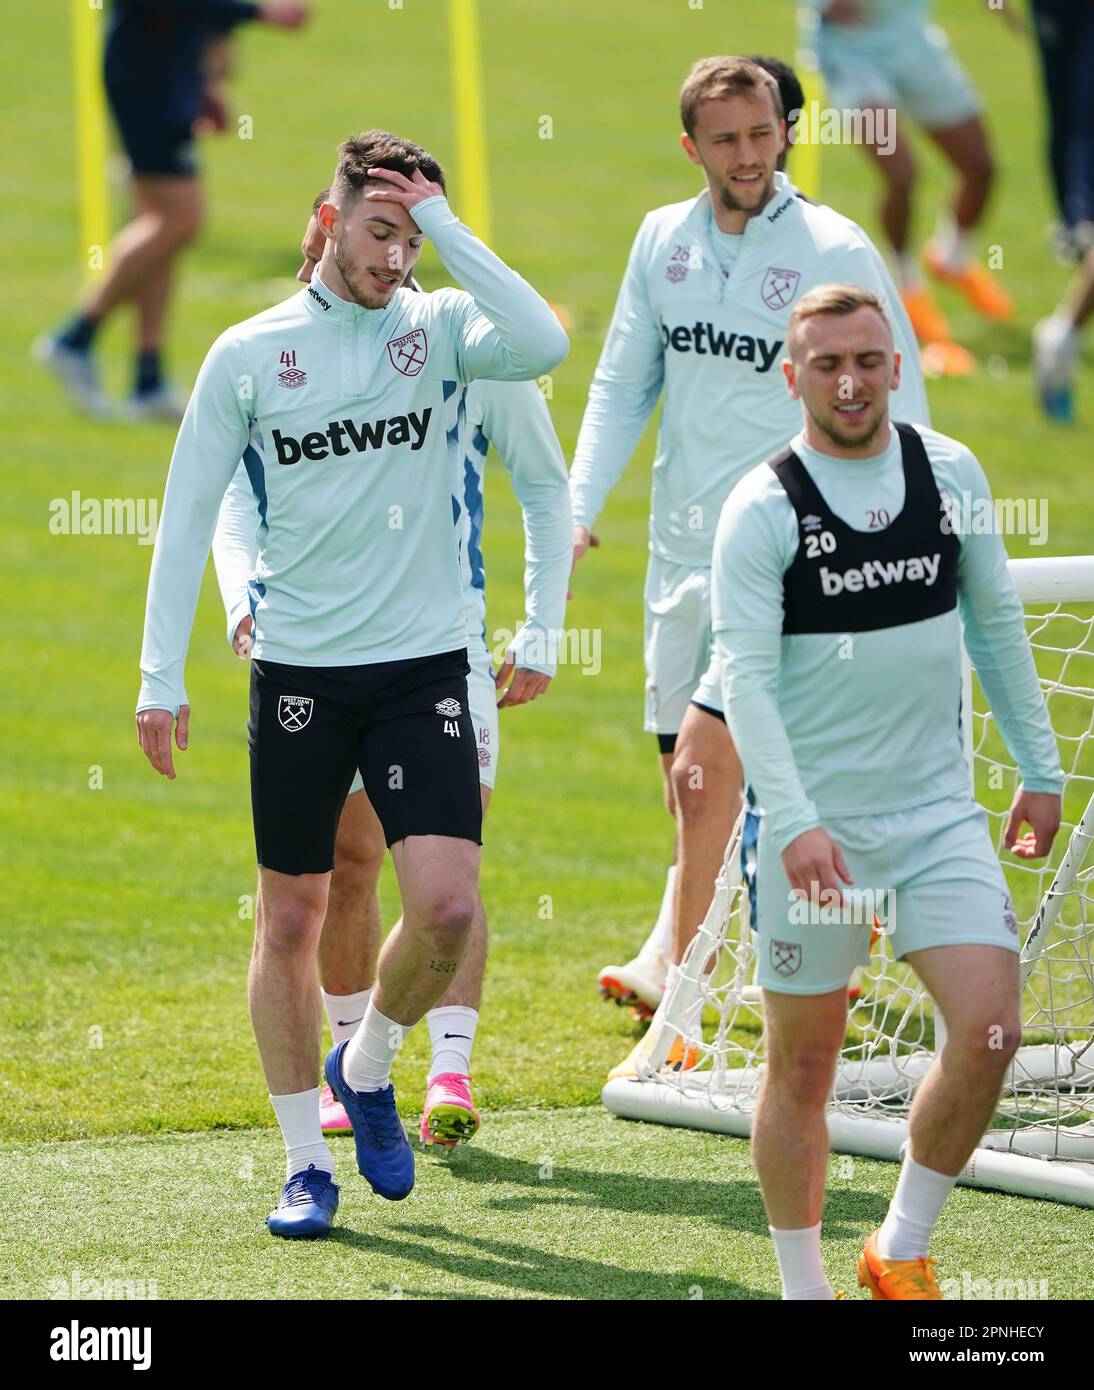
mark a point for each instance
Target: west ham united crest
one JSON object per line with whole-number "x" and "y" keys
{"x": 409, "y": 352}
{"x": 294, "y": 711}
{"x": 779, "y": 287}
{"x": 786, "y": 957}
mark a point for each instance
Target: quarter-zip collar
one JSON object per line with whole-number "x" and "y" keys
{"x": 325, "y": 304}
{"x": 778, "y": 211}
{"x": 700, "y": 216}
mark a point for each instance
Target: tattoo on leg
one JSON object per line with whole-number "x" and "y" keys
{"x": 445, "y": 967}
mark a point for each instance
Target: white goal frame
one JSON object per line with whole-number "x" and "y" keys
{"x": 1041, "y": 1157}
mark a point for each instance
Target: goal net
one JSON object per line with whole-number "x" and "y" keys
{"x": 1041, "y": 1140}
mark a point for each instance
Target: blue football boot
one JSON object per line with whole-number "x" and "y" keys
{"x": 306, "y": 1207}
{"x": 384, "y": 1156}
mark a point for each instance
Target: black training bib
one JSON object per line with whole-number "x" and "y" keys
{"x": 843, "y": 580}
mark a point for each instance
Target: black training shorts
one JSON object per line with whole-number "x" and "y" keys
{"x": 405, "y": 724}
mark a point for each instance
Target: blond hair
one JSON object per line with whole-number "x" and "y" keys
{"x": 833, "y": 299}
{"x": 712, "y": 78}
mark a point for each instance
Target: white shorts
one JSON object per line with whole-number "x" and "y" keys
{"x": 482, "y": 701}
{"x": 917, "y": 73}
{"x": 708, "y": 692}
{"x": 931, "y": 873}
{"x": 677, "y": 640}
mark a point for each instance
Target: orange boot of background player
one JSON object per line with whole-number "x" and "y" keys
{"x": 980, "y": 288}
{"x": 940, "y": 355}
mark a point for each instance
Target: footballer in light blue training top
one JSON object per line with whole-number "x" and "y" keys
{"x": 344, "y": 404}
{"x": 843, "y": 583}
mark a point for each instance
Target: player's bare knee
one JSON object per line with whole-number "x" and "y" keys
{"x": 356, "y": 868}
{"x": 289, "y": 933}
{"x": 900, "y": 174}
{"x": 979, "y": 171}
{"x": 183, "y": 226}
{"x": 801, "y": 1075}
{"x": 697, "y": 784}
{"x": 447, "y": 922}
{"x": 987, "y": 1042}
{"x": 293, "y": 926}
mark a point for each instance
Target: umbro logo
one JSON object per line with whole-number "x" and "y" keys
{"x": 448, "y": 707}
{"x": 811, "y": 523}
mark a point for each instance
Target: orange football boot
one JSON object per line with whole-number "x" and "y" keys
{"x": 940, "y": 355}
{"x": 928, "y": 320}
{"x": 983, "y": 292}
{"x": 896, "y": 1279}
{"x": 678, "y": 1059}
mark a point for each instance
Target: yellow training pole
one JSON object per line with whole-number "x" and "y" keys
{"x": 466, "y": 59}
{"x": 90, "y": 111}
{"x": 805, "y": 164}
{"x": 805, "y": 168}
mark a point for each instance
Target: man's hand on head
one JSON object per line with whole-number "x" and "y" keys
{"x": 409, "y": 192}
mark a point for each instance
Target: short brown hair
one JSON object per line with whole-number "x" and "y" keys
{"x": 379, "y": 149}
{"x": 320, "y": 199}
{"x": 711, "y": 78}
{"x": 833, "y": 299}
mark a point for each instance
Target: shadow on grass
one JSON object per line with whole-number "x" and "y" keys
{"x": 531, "y": 1271}
{"x": 731, "y": 1202}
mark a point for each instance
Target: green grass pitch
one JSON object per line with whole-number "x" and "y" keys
{"x": 128, "y": 1075}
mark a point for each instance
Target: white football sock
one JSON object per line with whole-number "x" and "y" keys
{"x": 800, "y": 1268}
{"x": 452, "y": 1035}
{"x": 366, "y": 1062}
{"x": 660, "y": 939}
{"x": 298, "y": 1116}
{"x": 345, "y": 1012}
{"x": 952, "y": 244}
{"x": 912, "y": 1214}
{"x": 1059, "y": 332}
{"x": 907, "y": 271}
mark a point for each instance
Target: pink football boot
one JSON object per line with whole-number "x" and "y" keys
{"x": 450, "y": 1113}
{"x": 332, "y": 1117}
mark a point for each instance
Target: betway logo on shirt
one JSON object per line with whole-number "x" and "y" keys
{"x": 876, "y": 574}
{"x": 706, "y": 340}
{"x": 342, "y": 437}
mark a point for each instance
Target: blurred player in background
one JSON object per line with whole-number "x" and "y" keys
{"x": 165, "y": 65}
{"x": 791, "y": 96}
{"x": 1065, "y": 36}
{"x": 1064, "y": 30}
{"x": 701, "y": 316}
{"x": 884, "y": 56}
{"x": 860, "y": 769}
{"x": 514, "y": 417}
{"x": 1057, "y": 345}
